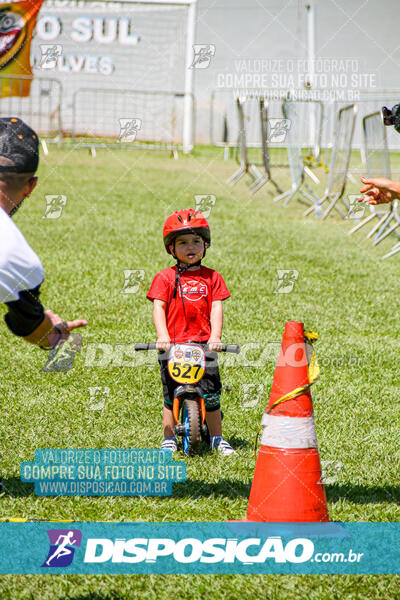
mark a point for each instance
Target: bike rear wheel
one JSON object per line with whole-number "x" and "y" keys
{"x": 191, "y": 422}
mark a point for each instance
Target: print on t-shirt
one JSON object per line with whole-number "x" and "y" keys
{"x": 193, "y": 290}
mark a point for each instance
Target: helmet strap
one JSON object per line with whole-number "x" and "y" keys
{"x": 181, "y": 268}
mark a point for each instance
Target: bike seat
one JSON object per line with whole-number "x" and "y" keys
{"x": 187, "y": 390}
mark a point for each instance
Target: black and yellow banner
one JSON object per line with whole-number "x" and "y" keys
{"x": 17, "y": 21}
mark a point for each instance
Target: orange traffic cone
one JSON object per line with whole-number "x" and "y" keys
{"x": 287, "y": 482}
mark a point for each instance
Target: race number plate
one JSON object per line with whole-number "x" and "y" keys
{"x": 186, "y": 363}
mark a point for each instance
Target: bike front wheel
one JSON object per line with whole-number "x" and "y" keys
{"x": 191, "y": 422}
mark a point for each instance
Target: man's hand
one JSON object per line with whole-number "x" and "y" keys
{"x": 61, "y": 329}
{"x": 52, "y": 330}
{"x": 163, "y": 344}
{"x": 214, "y": 344}
{"x": 379, "y": 190}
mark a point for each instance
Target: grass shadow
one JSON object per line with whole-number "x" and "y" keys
{"x": 362, "y": 494}
{"x": 196, "y": 488}
{"x": 204, "y": 449}
{"x": 238, "y": 443}
{"x": 14, "y": 487}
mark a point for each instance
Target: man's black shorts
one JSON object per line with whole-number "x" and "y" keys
{"x": 210, "y": 384}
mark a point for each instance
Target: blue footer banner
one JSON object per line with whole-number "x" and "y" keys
{"x": 195, "y": 548}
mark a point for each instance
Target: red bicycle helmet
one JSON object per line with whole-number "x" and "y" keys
{"x": 185, "y": 221}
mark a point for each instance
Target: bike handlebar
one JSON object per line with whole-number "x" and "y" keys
{"x": 225, "y": 347}
{"x": 139, "y": 347}
{"x": 229, "y": 348}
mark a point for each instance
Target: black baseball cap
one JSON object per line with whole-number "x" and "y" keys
{"x": 20, "y": 145}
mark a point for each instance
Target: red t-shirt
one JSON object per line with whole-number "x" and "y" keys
{"x": 200, "y": 288}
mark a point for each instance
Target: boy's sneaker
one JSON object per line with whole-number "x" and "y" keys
{"x": 218, "y": 443}
{"x": 170, "y": 443}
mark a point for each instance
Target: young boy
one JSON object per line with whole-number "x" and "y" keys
{"x": 187, "y": 307}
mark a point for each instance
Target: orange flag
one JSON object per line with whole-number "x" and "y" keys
{"x": 17, "y": 21}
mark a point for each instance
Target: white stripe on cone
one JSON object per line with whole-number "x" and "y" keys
{"x": 288, "y": 432}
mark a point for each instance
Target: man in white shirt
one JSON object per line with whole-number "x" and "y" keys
{"x": 21, "y": 272}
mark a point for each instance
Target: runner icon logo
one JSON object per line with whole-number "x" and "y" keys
{"x": 63, "y": 543}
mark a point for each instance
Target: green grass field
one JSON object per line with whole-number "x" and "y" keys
{"x": 116, "y": 206}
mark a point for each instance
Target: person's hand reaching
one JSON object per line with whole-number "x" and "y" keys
{"x": 379, "y": 190}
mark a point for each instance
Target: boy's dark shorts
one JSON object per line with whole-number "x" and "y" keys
{"x": 210, "y": 384}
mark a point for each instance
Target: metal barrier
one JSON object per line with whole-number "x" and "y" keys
{"x": 277, "y": 128}
{"x": 41, "y": 109}
{"x": 375, "y": 145}
{"x": 396, "y": 216}
{"x": 340, "y": 161}
{"x": 263, "y": 107}
{"x": 378, "y": 165}
{"x": 104, "y": 118}
{"x": 368, "y": 102}
{"x": 263, "y": 114}
{"x": 311, "y": 124}
{"x": 225, "y": 126}
{"x": 244, "y": 166}
{"x": 290, "y": 109}
{"x": 223, "y": 122}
